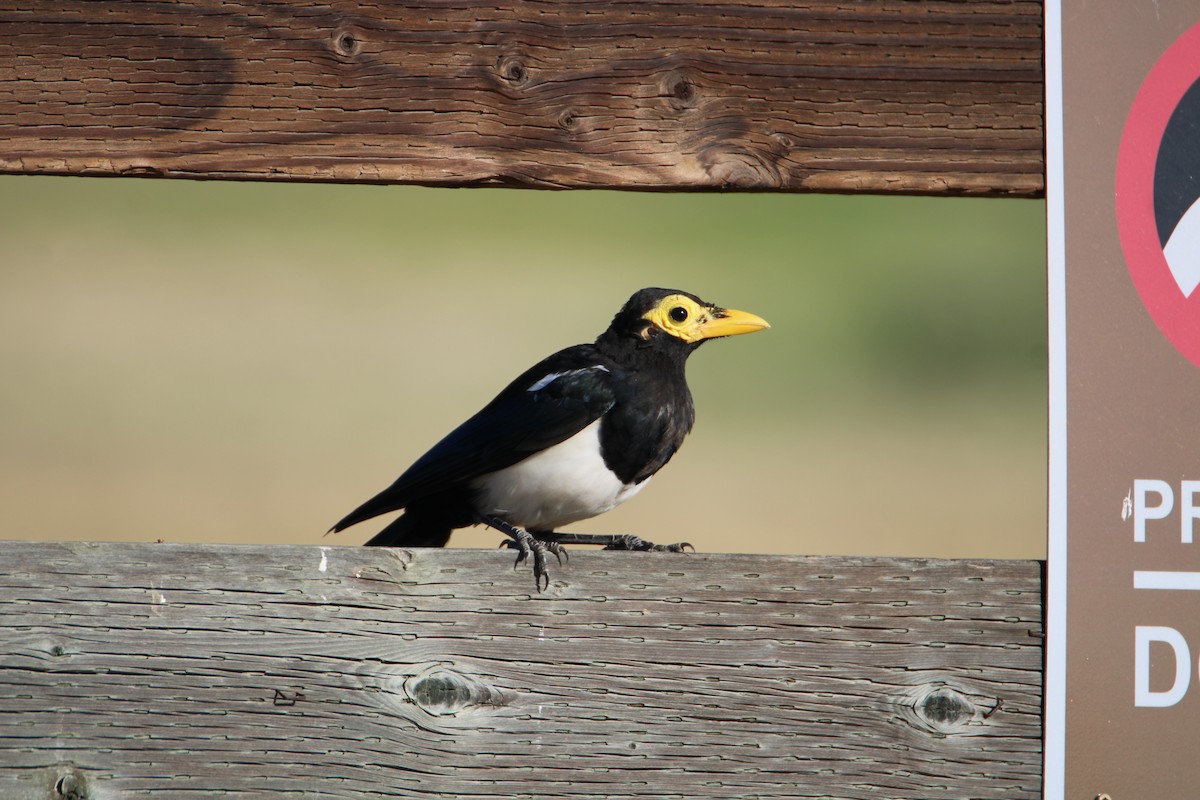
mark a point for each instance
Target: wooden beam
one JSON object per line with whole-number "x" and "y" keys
{"x": 941, "y": 96}
{"x": 190, "y": 671}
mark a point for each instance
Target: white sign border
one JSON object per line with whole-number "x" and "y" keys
{"x": 1054, "y": 702}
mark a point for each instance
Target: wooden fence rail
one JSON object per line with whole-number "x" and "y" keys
{"x": 202, "y": 671}
{"x": 941, "y": 96}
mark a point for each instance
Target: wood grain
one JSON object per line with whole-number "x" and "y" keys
{"x": 941, "y": 97}
{"x": 190, "y": 671}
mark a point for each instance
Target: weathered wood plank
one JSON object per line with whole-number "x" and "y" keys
{"x": 189, "y": 671}
{"x": 942, "y": 96}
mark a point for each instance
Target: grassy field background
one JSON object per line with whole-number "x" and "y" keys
{"x": 235, "y": 362}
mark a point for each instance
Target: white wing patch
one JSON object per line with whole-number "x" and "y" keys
{"x": 542, "y": 383}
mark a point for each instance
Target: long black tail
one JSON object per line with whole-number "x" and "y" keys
{"x": 413, "y": 529}
{"x": 427, "y": 522}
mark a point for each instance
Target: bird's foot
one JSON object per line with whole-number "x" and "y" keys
{"x": 613, "y": 541}
{"x": 627, "y": 541}
{"x": 526, "y": 544}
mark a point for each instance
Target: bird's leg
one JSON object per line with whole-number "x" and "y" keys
{"x": 525, "y": 543}
{"x": 614, "y": 541}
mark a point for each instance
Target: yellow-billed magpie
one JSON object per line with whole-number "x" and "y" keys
{"x": 574, "y": 436}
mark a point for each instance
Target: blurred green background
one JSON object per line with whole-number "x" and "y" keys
{"x": 240, "y": 362}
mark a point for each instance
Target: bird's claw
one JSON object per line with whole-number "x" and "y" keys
{"x": 559, "y": 551}
{"x": 526, "y": 543}
{"x": 628, "y": 541}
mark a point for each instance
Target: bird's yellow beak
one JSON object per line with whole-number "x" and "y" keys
{"x": 729, "y": 322}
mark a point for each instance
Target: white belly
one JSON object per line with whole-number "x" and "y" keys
{"x": 560, "y": 485}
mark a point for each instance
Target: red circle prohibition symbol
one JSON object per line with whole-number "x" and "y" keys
{"x": 1172, "y": 304}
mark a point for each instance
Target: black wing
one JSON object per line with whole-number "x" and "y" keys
{"x": 545, "y": 405}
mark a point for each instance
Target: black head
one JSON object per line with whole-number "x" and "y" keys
{"x": 674, "y": 320}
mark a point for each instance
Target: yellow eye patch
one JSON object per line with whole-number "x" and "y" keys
{"x": 680, "y": 316}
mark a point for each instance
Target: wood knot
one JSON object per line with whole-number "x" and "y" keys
{"x": 680, "y": 89}
{"x": 70, "y": 785}
{"x": 568, "y": 120}
{"x": 943, "y": 710}
{"x": 736, "y": 155}
{"x": 741, "y": 169}
{"x": 442, "y": 692}
{"x": 945, "y": 707}
{"x": 512, "y": 70}
{"x": 347, "y": 43}
{"x": 141, "y": 171}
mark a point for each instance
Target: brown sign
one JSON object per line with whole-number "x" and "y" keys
{"x": 1123, "y": 177}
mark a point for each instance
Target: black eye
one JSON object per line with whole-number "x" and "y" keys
{"x": 678, "y": 314}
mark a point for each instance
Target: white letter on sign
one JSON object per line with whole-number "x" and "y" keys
{"x": 1187, "y": 509}
{"x": 1144, "y": 635}
{"x": 1143, "y": 512}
